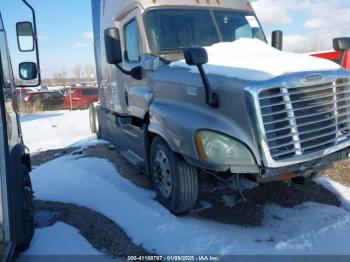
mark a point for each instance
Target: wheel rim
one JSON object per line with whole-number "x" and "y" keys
{"x": 162, "y": 174}
{"x": 97, "y": 124}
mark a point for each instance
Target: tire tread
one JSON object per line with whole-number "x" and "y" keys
{"x": 185, "y": 196}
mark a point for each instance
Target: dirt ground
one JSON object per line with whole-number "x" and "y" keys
{"x": 340, "y": 172}
{"x": 102, "y": 233}
{"x": 211, "y": 205}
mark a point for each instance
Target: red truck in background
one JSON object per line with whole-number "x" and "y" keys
{"x": 336, "y": 56}
{"x": 341, "y": 53}
{"x": 80, "y": 98}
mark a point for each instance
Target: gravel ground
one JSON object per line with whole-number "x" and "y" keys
{"x": 103, "y": 234}
{"x": 211, "y": 205}
{"x": 251, "y": 212}
{"x": 46, "y": 156}
{"x": 248, "y": 213}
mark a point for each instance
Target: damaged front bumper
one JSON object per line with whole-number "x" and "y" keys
{"x": 304, "y": 169}
{"x": 308, "y": 168}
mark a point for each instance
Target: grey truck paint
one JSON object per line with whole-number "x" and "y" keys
{"x": 172, "y": 99}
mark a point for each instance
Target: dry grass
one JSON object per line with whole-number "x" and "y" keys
{"x": 340, "y": 172}
{"x": 38, "y": 108}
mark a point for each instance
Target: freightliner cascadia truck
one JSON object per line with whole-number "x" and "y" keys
{"x": 16, "y": 196}
{"x": 191, "y": 87}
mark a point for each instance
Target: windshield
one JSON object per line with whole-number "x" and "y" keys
{"x": 179, "y": 28}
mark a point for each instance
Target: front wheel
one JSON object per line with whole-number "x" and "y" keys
{"x": 175, "y": 182}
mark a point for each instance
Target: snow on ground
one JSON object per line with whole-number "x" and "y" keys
{"x": 58, "y": 129}
{"x": 59, "y": 239}
{"x": 252, "y": 59}
{"x": 94, "y": 183}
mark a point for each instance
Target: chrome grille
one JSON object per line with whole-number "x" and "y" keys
{"x": 307, "y": 119}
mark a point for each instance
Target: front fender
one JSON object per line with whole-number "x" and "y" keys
{"x": 178, "y": 122}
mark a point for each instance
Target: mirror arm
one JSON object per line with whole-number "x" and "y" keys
{"x": 36, "y": 46}
{"x": 343, "y": 55}
{"x": 123, "y": 70}
{"x": 136, "y": 72}
{"x": 212, "y": 98}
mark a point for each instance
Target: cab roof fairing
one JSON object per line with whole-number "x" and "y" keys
{"x": 118, "y": 7}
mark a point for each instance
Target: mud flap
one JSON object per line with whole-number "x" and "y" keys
{"x": 20, "y": 197}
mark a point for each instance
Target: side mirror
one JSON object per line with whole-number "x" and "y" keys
{"x": 28, "y": 71}
{"x": 277, "y": 39}
{"x": 196, "y": 56}
{"x": 114, "y": 54}
{"x": 25, "y": 36}
{"x": 113, "y": 46}
{"x": 341, "y": 44}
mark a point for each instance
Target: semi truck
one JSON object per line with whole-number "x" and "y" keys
{"x": 191, "y": 88}
{"x": 16, "y": 193}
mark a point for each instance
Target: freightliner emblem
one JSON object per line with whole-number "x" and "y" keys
{"x": 313, "y": 78}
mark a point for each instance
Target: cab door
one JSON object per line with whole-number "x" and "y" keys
{"x": 136, "y": 91}
{"x": 6, "y": 87}
{"x": 9, "y": 94}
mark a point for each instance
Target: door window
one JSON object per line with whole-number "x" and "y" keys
{"x": 90, "y": 92}
{"x": 5, "y": 81}
{"x": 5, "y": 62}
{"x": 132, "y": 42}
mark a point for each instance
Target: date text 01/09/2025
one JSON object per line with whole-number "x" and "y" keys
{"x": 173, "y": 258}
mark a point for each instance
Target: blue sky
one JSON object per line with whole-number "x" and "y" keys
{"x": 309, "y": 25}
{"x": 65, "y": 27}
{"x": 61, "y": 28}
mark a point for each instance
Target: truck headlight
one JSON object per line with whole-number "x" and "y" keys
{"x": 220, "y": 149}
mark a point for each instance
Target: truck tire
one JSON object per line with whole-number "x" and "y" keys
{"x": 92, "y": 115}
{"x": 28, "y": 211}
{"x": 175, "y": 182}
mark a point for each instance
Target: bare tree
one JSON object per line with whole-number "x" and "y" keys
{"x": 315, "y": 44}
{"x": 89, "y": 72}
{"x": 318, "y": 44}
{"x": 77, "y": 73}
{"x": 60, "y": 77}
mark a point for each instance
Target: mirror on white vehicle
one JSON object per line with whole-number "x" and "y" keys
{"x": 25, "y": 36}
{"x": 341, "y": 44}
{"x": 28, "y": 71}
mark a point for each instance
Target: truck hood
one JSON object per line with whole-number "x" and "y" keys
{"x": 254, "y": 60}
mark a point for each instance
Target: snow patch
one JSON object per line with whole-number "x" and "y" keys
{"x": 59, "y": 239}
{"x": 58, "y": 129}
{"x": 94, "y": 183}
{"x": 252, "y": 59}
